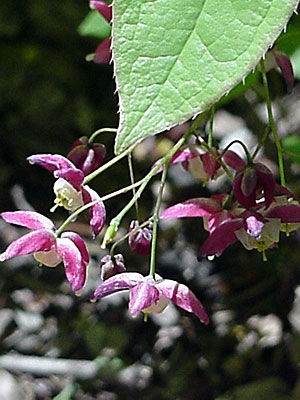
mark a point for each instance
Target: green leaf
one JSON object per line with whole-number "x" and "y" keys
{"x": 291, "y": 143}
{"x": 174, "y": 59}
{"x": 94, "y": 25}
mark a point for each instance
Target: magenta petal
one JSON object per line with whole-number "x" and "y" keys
{"x": 33, "y": 242}
{"x": 210, "y": 164}
{"x": 181, "y": 156}
{"x": 198, "y": 207}
{"x": 246, "y": 201}
{"x": 267, "y": 182}
{"x": 103, "y": 53}
{"x": 75, "y": 265}
{"x": 142, "y": 296}
{"x": 289, "y": 213}
{"x": 79, "y": 244}
{"x": 233, "y": 160}
{"x": 97, "y": 212}
{"x": 221, "y": 238}
{"x": 51, "y": 162}
{"x": 286, "y": 67}
{"x": 30, "y": 219}
{"x": 183, "y": 297}
{"x": 103, "y": 8}
{"x": 73, "y": 175}
{"x": 117, "y": 283}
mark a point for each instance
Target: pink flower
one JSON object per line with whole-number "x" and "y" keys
{"x": 46, "y": 247}
{"x": 151, "y": 295}
{"x": 86, "y": 157}
{"x": 254, "y": 229}
{"x": 140, "y": 241}
{"x": 70, "y": 193}
{"x": 111, "y": 266}
{"x": 251, "y": 179}
{"x": 103, "y": 53}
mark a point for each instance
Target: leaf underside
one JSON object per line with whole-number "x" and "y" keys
{"x": 174, "y": 59}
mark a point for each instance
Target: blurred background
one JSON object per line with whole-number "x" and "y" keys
{"x": 56, "y": 345}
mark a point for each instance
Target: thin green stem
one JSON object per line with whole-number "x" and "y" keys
{"x": 261, "y": 142}
{"x": 218, "y": 159}
{"x": 104, "y": 167}
{"x": 156, "y": 217}
{"x": 115, "y": 222}
{"x": 272, "y": 123}
{"x": 248, "y": 155}
{"x": 131, "y": 174}
{"x": 99, "y": 131}
{"x": 211, "y": 126}
{"x": 112, "y": 250}
{"x": 73, "y": 215}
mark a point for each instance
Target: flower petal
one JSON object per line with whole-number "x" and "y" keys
{"x": 142, "y": 296}
{"x": 198, "y": 207}
{"x": 32, "y": 242}
{"x": 51, "y": 162}
{"x": 183, "y": 297}
{"x": 29, "y": 219}
{"x": 73, "y": 176}
{"x": 75, "y": 264}
{"x": 221, "y": 238}
{"x": 79, "y": 244}
{"x": 288, "y": 213}
{"x": 97, "y": 212}
{"x": 267, "y": 181}
{"x": 233, "y": 160}
{"x": 117, "y": 283}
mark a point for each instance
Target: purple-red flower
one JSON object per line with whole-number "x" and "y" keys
{"x": 47, "y": 248}
{"x": 86, "y": 157}
{"x": 249, "y": 181}
{"x": 254, "y": 229}
{"x": 140, "y": 241}
{"x": 151, "y": 295}
{"x": 103, "y": 53}
{"x": 111, "y": 266}
{"x": 70, "y": 193}
{"x": 285, "y": 65}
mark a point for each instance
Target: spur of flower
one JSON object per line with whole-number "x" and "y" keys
{"x": 69, "y": 189}
{"x": 151, "y": 294}
{"x": 46, "y": 247}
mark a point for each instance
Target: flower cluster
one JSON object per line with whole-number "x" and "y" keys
{"x": 261, "y": 210}
{"x": 51, "y": 246}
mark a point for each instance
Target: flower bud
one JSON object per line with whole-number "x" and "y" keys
{"x": 111, "y": 266}
{"x": 85, "y": 156}
{"x": 140, "y": 241}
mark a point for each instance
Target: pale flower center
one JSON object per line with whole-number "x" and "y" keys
{"x": 48, "y": 258}
{"x": 66, "y": 196}
{"x": 158, "y": 307}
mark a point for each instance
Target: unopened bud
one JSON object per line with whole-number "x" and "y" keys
{"x": 140, "y": 241}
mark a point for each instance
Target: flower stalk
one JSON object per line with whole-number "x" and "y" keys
{"x": 272, "y": 123}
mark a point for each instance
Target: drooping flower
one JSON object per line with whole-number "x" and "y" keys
{"x": 69, "y": 189}
{"x": 86, "y": 157}
{"x": 258, "y": 229}
{"x": 285, "y": 65}
{"x": 103, "y": 53}
{"x": 140, "y": 241}
{"x": 47, "y": 248}
{"x": 151, "y": 295}
{"x": 251, "y": 179}
{"x": 111, "y": 266}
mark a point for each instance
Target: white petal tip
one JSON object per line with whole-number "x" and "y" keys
{"x": 2, "y": 257}
{"x": 78, "y": 293}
